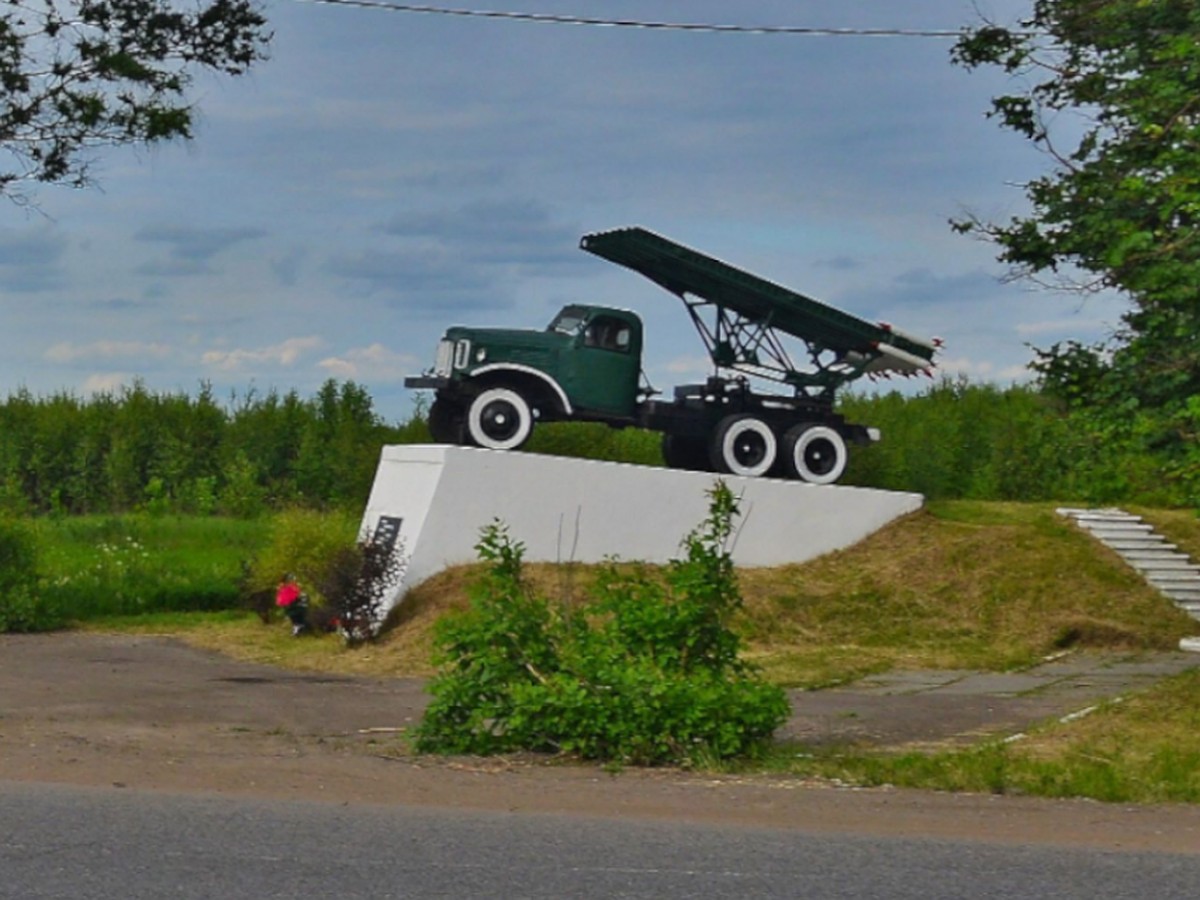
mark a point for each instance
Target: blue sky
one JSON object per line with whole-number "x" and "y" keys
{"x": 385, "y": 175}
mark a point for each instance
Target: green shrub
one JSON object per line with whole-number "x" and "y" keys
{"x": 305, "y": 543}
{"x": 355, "y": 585}
{"x": 593, "y": 440}
{"x": 22, "y": 608}
{"x": 644, "y": 671}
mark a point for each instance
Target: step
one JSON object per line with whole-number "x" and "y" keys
{"x": 1146, "y": 537}
{"x": 1157, "y": 556}
{"x": 1181, "y": 578}
{"x": 1090, "y": 514}
{"x": 1114, "y": 525}
{"x": 1138, "y": 545}
{"x": 1185, "y": 596}
{"x": 1177, "y": 594}
{"x": 1167, "y": 566}
{"x": 1161, "y": 564}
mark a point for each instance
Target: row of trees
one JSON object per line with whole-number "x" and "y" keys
{"x": 984, "y": 442}
{"x": 138, "y": 449}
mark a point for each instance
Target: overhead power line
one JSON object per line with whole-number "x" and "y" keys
{"x": 554, "y": 19}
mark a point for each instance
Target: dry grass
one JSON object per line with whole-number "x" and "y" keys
{"x": 961, "y": 585}
{"x": 1180, "y": 527}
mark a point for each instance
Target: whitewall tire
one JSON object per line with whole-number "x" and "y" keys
{"x": 499, "y": 419}
{"x": 744, "y": 445}
{"x": 815, "y": 453}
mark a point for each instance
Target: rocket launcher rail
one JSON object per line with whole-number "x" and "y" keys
{"x": 745, "y": 315}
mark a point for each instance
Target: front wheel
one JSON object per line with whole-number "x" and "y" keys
{"x": 499, "y": 419}
{"x": 744, "y": 445}
{"x": 815, "y": 453}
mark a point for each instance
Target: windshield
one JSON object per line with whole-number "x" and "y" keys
{"x": 568, "y": 321}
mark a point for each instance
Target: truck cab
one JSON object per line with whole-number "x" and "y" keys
{"x": 492, "y": 385}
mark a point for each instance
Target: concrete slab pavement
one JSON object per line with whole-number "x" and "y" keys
{"x": 958, "y": 707}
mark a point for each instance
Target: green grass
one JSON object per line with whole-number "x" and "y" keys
{"x": 121, "y": 565}
{"x": 1145, "y": 750}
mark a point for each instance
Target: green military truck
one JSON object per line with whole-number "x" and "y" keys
{"x": 492, "y": 386}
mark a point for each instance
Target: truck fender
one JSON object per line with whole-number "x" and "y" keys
{"x": 528, "y": 370}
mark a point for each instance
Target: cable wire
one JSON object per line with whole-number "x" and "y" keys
{"x": 554, "y": 19}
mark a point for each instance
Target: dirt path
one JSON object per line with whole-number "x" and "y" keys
{"x": 151, "y": 713}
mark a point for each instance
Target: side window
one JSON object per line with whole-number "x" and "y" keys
{"x": 608, "y": 333}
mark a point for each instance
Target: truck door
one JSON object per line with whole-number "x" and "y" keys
{"x": 602, "y": 374}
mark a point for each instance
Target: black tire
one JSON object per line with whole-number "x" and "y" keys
{"x": 499, "y": 419}
{"x": 682, "y": 452}
{"x": 744, "y": 445}
{"x": 446, "y": 422}
{"x": 815, "y": 453}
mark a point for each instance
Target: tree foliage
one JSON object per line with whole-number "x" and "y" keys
{"x": 1112, "y": 95}
{"x": 79, "y": 74}
{"x": 138, "y": 449}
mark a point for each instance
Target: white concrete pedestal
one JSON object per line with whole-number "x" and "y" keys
{"x": 581, "y": 510}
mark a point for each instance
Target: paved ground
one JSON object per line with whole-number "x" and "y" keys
{"x": 151, "y": 713}
{"x": 960, "y": 706}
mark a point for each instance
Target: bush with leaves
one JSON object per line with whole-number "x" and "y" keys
{"x": 21, "y": 606}
{"x": 346, "y": 579}
{"x": 304, "y": 543}
{"x": 355, "y": 585}
{"x": 645, "y": 671}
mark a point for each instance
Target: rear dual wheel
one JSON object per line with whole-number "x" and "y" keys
{"x": 744, "y": 445}
{"x": 814, "y": 453}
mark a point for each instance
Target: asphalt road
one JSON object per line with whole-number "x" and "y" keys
{"x": 103, "y": 843}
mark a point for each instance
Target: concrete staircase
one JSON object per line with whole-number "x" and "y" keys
{"x": 1160, "y": 563}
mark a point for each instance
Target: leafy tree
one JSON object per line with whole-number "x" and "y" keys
{"x": 1119, "y": 206}
{"x": 78, "y": 74}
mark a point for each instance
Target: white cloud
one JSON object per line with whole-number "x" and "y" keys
{"x": 67, "y": 352}
{"x": 286, "y": 353}
{"x": 376, "y": 363}
{"x": 687, "y": 365}
{"x": 1059, "y": 326}
{"x": 982, "y": 369}
{"x": 106, "y": 382}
